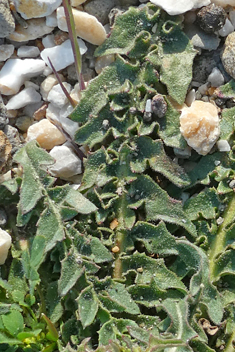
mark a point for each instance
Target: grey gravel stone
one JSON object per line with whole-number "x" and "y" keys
{"x": 100, "y": 9}
{"x": 200, "y": 39}
{"x": 204, "y": 64}
{"x": 228, "y": 55}
{"x": 13, "y": 136}
{"x": 7, "y": 22}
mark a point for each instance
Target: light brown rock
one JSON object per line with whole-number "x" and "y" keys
{"x": 224, "y": 3}
{"x": 87, "y": 26}
{"x": 228, "y": 55}
{"x": 199, "y": 124}
{"x": 46, "y": 134}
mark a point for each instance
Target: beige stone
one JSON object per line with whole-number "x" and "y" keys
{"x": 224, "y": 3}
{"x": 199, "y": 124}
{"x": 46, "y": 134}
{"x": 87, "y": 26}
{"x": 48, "y": 83}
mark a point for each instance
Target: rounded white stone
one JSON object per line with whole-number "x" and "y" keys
{"x": 216, "y": 78}
{"x": 61, "y": 56}
{"x": 6, "y": 50}
{"x": 191, "y": 97}
{"x": 16, "y": 71}
{"x": 48, "y": 83}
{"x": 36, "y": 28}
{"x": 55, "y": 113}
{"x": 5, "y": 244}
{"x": 181, "y": 6}
{"x": 26, "y": 96}
{"x": 226, "y": 29}
{"x": 28, "y": 51}
{"x": 67, "y": 163}
{"x": 51, "y": 20}
{"x": 48, "y": 41}
{"x": 57, "y": 96}
{"x": 223, "y": 145}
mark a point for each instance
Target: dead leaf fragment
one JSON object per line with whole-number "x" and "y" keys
{"x": 5, "y": 150}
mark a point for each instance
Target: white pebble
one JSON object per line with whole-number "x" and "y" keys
{"x": 232, "y": 184}
{"x": 23, "y": 98}
{"x": 57, "y": 96}
{"x": 55, "y": 113}
{"x": 216, "y": 78}
{"x": 199, "y": 125}
{"x": 28, "y": 84}
{"x": 203, "y": 88}
{"x": 61, "y": 56}
{"x": 223, "y": 145}
{"x": 46, "y": 134}
{"x": 48, "y": 41}
{"x": 175, "y": 8}
{"x": 226, "y": 29}
{"x": 191, "y": 97}
{"x": 220, "y": 221}
{"x": 6, "y": 50}
{"x": 148, "y": 105}
{"x": 67, "y": 163}
{"x": 16, "y": 71}
{"x": 36, "y": 28}
{"x": 5, "y": 244}
{"x": 48, "y": 83}
{"x": 51, "y": 20}
{"x": 28, "y": 51}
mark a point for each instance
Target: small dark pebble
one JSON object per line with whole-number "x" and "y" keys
{"x": 3, "y": 121}
{"x": 3, "y": 217}
{"x": 159, "y": 106}
{"x": 230, "y": 104}
{"x": 219, "y": 102}
{"x": 211, "y": 18}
